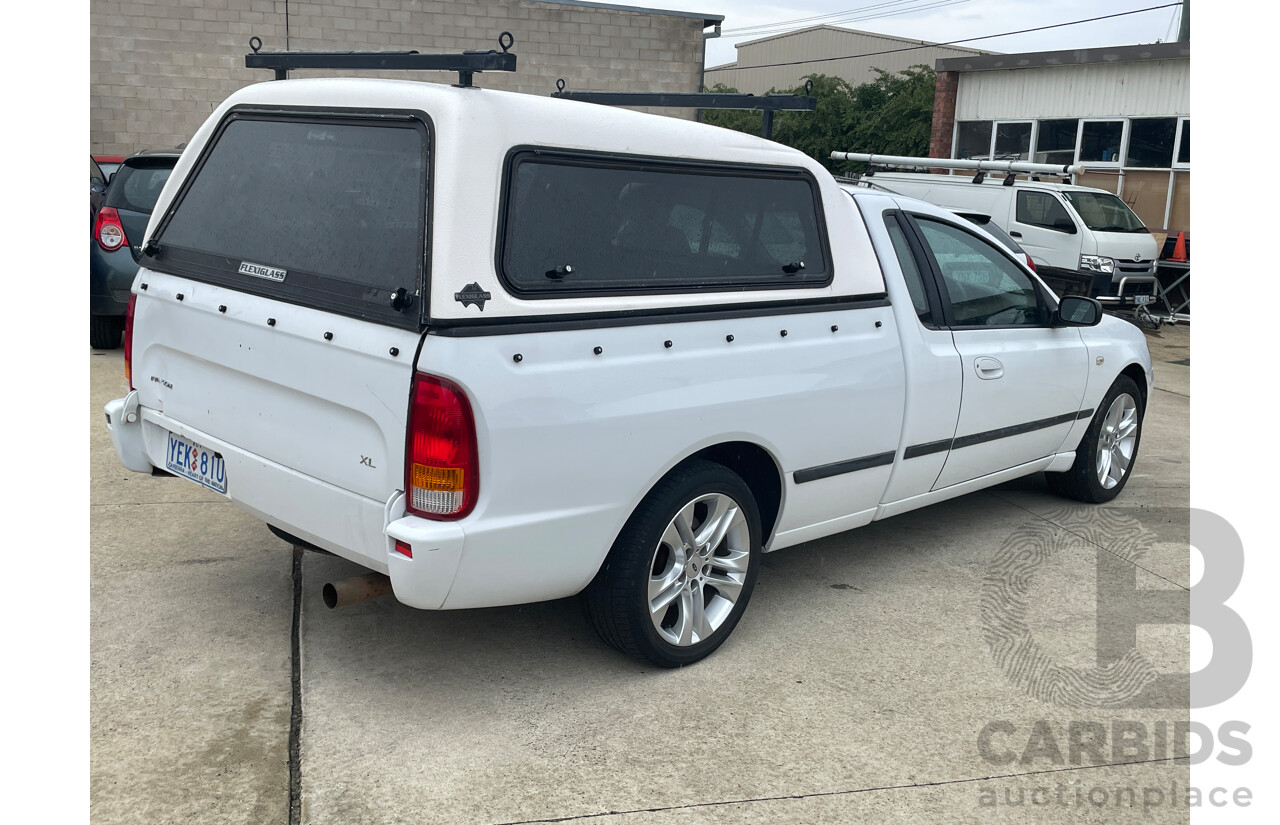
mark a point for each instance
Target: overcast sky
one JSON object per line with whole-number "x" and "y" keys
{"x": 942, "y": 20}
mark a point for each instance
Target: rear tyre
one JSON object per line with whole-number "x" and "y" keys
{"x": 105, "y": 331}
{"x": 1104, "y": 459}
{"x": 679, "y": 576}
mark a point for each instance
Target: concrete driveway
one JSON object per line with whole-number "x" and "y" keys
{"x": 940, "y": 666}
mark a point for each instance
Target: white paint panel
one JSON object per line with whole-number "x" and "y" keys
{"x": 1156, "y": 88}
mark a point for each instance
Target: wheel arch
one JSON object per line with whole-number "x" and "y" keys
{"x": 1139, "y": 376}
{"x": 758, "y": 468}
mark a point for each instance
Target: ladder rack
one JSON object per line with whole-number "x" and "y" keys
{"x": 465, "y": 64}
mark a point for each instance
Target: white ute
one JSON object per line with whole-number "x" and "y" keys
{"x": 503, "y": 348}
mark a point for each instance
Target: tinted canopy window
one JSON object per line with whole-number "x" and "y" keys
{"x": 584, "y": 226}
{"x": 339, "y": 206}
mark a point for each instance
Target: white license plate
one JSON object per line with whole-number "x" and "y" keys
{"x": 197, "y": 463}
{"x": 1139, "y": 300}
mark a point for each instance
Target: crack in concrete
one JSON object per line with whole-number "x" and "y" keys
{"x": 295, "y": 712}
{"x": 155, "y": 503}
{"x": 819, "y": 794}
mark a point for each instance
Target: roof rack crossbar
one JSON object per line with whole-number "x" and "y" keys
{"x": 767, "y": 104}
{"x": 465, "y": 64}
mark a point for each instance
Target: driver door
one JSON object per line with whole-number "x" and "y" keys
{"x": 1022, "y": 379}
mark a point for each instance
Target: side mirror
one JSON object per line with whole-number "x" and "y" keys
{"x": 1078, "y": 311}
{"x": 1064, "y": 224}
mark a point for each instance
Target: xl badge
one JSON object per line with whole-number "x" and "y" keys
{"x": 472, "y": 294}
{"x": 260, "y": 271}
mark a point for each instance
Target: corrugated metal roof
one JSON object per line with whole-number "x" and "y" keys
{"x": 843, "y": 30}
{"x": 782, "y": 61}
{"x": 1066, "y": 57}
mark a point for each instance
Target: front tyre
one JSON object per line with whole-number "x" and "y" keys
{"x": 679, "y": 576}
{"x": 1104, "y": 459}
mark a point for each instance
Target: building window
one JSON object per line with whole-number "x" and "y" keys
{"x": 1013, "y": 141}
{"x": 1184, "y": 148}
{"x": 973, "y": 140}
{"x": 1100, "y": 140}
{"x": 1151, "y": 142}
{"x": 1056, "y": 141}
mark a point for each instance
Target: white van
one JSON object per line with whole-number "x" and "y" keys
{"x": 1064, "y": 227}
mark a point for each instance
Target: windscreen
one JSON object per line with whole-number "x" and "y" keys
{"x": 323, "y": 212}
{"x": 1104, "y": 212}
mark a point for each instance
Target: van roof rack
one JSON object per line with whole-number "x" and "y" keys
{"x": 768, "y": 104}
{"x": 465, "y": 64}
{"x": 1009, "y": 167}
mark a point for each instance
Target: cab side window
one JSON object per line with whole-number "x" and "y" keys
{"x": 1043, "y": 210}
{"x": 983, "y": 286}
{"x": 910, "y": 271}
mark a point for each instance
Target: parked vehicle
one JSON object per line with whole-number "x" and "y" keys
{"x": 108, "y": 164}
{"x": 505, "y": 348}
{"x": 1075, "y": 233}
{"x": 113, "y": 260}
{"x": 989, "y": 226}
{"x": 97, "y": 187}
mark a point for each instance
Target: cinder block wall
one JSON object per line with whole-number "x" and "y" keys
{"x": 157, "y": 68}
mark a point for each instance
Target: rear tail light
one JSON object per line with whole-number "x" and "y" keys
{"x": 1031, "y": 263}
{"x": 108, "y": 230}
{"x": 128, "y": 341}
{"x": 441, "y": 467}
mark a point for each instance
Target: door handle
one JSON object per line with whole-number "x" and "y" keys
{"x": 1015, "y": 234}
{"x": 988, "y": 368}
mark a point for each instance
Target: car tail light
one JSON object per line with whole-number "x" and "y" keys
{"x": 441, "y": 467}
{"x": 128, "y": 341}
{"x": 108, "y": 230}
{"x": 1031, "y": 263}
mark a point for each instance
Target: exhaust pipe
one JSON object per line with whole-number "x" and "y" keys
{"x": 343, "y": 593}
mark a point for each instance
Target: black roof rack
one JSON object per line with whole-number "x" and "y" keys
{"x": 465, "y": 64}
{"x": 768, "y": 104}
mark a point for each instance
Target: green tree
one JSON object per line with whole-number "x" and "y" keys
{"x": 889, "y": 115}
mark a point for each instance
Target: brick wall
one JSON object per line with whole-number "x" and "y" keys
{"x": 944, "y": 114}
{"x": 157, "y": 68}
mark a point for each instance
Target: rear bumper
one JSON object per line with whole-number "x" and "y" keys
{"x": 111, "y": 277}
{"x": 357, "y": 528}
